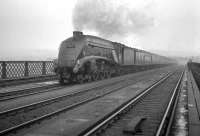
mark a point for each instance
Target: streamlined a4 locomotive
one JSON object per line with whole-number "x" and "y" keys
{"x": 86, "y": 58}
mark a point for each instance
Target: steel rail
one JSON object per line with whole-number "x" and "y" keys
{"x": 99, "y": 124}
{"x": 22, "y": 89}
{"x": 14, "y": 128}
{"x": 75, "y": 92}
{"x": 46, "y": 101}
{"x": 12, "y": 93}
{"x": 30, "y": 91}
{"x": 44, "y": 88}
{"x": 170, "y": 109}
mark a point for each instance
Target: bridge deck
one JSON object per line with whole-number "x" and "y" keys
{"x": 193, "y": 106}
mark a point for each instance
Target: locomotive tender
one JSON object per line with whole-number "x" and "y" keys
{"x": 85, "y": 58}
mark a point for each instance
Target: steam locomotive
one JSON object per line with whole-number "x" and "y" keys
{"x": 87, "y": 58}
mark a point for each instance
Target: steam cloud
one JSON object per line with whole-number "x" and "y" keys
{"x": 101, "y": 17}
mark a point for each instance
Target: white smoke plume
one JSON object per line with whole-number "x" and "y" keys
{"x": 108, "y": 20}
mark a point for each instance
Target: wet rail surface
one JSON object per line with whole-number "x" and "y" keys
{"x": 179, "y": 123}
{"x": 150, "y": 109}
{"x": 193, "y": 103}
{"x": 64, "y": 105}
{"x": 35, "y": 98}
{"x": 11, "y": 93}
{"x": 30, "y": 112}
{"x": 106, "y": 91}
{"x": 7, "y": 93}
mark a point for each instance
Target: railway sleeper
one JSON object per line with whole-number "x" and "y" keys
{"x": 134, "y": 125}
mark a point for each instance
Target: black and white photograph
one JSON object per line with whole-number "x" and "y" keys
{"x": 99, "y": 68}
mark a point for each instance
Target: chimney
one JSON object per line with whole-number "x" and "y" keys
{"x": 77, "y": 34}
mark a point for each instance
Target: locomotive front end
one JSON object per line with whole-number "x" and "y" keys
{"x": 68, "y": 54}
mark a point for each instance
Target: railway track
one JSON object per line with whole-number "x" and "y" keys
{"x": 149, "y": 113}
{"x": 28, "y": 91}
{"x": 105, "y": 89}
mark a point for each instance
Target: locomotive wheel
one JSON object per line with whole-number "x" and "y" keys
{"x": 101, "y": 75}
{"x": 89, "y": 78}
{"x": 80, "y": 78}
{"x": 108, "y": 75}
{"x": 95, "y": 76}
{"x": 105, "y": 75}
{"x": 61, "y": 81}
{"x": 98, "y": 76}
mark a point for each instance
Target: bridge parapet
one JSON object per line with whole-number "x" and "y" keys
{"x": 25, "y": 69}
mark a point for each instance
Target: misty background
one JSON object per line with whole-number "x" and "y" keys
{"x": 33, "y": 29}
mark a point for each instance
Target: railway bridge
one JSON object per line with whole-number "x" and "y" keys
{"x": 151, "y": 102}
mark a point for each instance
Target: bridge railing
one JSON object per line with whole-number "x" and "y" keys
{"x": 25, "y": 69}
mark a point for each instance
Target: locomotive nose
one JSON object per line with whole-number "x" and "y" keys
{"x": 75, "y": 70}
{"x": 76, "y": 67}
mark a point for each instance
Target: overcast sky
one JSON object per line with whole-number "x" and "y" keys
{"x": 33, "y": 29}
